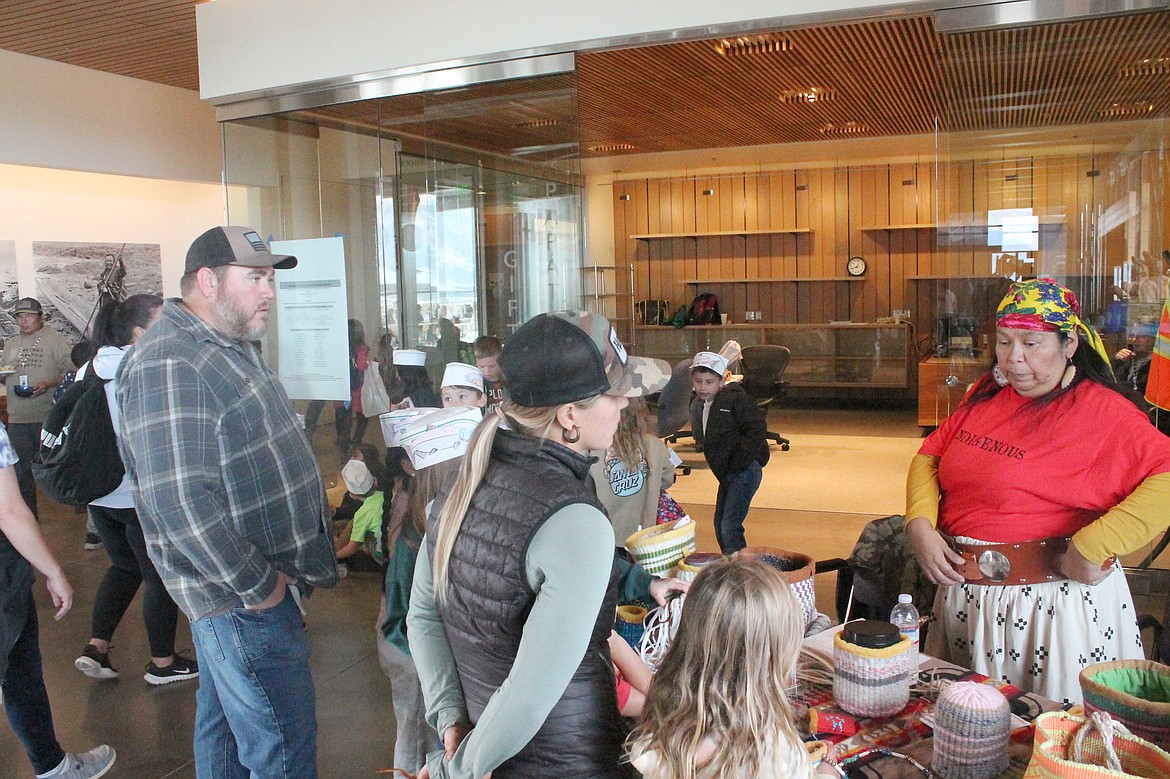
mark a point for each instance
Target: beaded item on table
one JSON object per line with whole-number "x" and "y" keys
{"x": 688, "y": 568}
{"x": 797, "y": 568}
{"x": 659, "y": 548}
{"x": 630, "y": 623}
{"x": 972, "y": 724}
{"x": 871, "y": 682}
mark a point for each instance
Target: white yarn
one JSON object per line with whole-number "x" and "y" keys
{"x": 661, "y": 625}
{"x": 1106, "y": 727}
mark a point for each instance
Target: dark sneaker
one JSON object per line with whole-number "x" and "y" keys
{"x": 92, "y": 541}
{"x": 95, "y": 664}
{"x": 180, "y": 670}
{"x": 87, "y": 765}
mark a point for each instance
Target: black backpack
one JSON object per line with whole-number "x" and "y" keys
{"x": 78, "y": 461}
{"x": 704, "y": 310}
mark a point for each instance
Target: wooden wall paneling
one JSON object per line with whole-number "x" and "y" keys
{"x": 796, "y": 202}
{"x": 842, "y": 294}
{"x": 859, "y": 243}
{"x": 809, "y": 305}
{"x": 1051, "y": 256}
{"x": 660, "y": 283}
{"x": 733, "y": 248}
{"x": 982, "y": 200}
{"x": 679, "y": 262}
{"x": 690, "y": 248}
{"x": 782, "y": 252}
{"x": 875, "y": 211}
{"x": 636, "y": 222}
{"x": 758, "y": 217}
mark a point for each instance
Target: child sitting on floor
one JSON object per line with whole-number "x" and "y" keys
{"x": 360, "y": 546}
{"x": 740, "y": 635}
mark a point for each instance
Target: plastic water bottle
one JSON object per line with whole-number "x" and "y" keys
{"x": 905, "y": 618}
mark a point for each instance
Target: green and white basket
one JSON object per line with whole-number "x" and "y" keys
{"x": 659, "y": 548}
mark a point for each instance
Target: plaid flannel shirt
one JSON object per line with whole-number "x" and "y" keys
{"x": 225, "y": 482}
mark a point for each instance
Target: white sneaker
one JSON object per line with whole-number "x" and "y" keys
{"x": 87, "y": 765}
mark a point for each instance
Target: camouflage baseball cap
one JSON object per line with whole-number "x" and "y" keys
{"x": 566, "y": 356}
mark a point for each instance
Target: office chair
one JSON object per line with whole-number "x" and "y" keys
{"x": 763, "y": 369}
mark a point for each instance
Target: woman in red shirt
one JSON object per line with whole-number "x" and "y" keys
{"x": 1020, "y": 503}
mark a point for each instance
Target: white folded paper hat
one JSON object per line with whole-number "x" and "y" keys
{"x": 440, "y": 436}
{"x": 710, "y": 361}
{"x": 459, "y": 374}
{"x": 357, "y": 477}
{"x": 395, "y": 421}
{"x": 409, "y": 357}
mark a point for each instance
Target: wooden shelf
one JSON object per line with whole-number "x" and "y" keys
{"x": 879, "y": 228}
{"x": 717, "y": 233}
{"x": 770, "y": 279}
{"x": 947, "y": 278}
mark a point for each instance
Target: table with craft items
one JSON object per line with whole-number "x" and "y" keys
{"x": 890, "y": 747}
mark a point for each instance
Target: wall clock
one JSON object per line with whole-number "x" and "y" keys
{"x": 856, "y": 266}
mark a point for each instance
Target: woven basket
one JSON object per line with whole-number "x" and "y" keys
{"x": 659, "y": 548}
{"x": 1133, "y": 692}
{"x": 1055, "y": 753}
{"x": 797, "y": 568}
{"x": 871, "y": 682}
{"x": 688, "y": 567}
{"x": 630, "y": 623}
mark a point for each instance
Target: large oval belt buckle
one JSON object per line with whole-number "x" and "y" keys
{"x": 994, "y": 565}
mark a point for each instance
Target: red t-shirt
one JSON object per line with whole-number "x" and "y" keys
{"x": 1009, "y": 472}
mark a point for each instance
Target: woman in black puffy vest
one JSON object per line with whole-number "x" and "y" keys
{"x": 514, "y": 598}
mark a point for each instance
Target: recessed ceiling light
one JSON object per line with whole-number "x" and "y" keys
{"x": 537, "y": 123}
{"x": 753, "y": 44}
{"x": 810, "y": 95}
{"x": 606, "y": 148}
{"x": 1151, "y": 66}
{"x": 1136, "y": 108}
{"x": 844, "y": 128}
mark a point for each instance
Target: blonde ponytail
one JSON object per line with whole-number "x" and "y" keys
{"x": 538, "y": 422}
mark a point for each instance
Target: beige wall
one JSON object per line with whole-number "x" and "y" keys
{"x": 40, "y": 204}
{"x": 63, "y": 116}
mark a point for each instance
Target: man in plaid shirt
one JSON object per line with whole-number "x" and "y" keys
{"x": 232, "y": 505}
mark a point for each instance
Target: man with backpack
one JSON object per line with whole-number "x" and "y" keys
{"x": 39, "y": 359}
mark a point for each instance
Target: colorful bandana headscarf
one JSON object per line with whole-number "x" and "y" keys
{"x": 1044, "y": 305}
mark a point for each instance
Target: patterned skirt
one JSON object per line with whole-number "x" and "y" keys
{"x": 1036, "y": 636}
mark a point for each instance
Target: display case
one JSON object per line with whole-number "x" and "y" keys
{"x": 838, "y": 355}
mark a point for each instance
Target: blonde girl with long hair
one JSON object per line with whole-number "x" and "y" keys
{"x": 517, "y": 581}
{"x": 717, "y": 707}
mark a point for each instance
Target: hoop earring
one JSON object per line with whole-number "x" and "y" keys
{"x": 575, "y": 437}
{"x": 1070, "y": 373}
{"x": 1000, "y": 379}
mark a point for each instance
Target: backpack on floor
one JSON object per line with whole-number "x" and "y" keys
{"x": 704, "y": 310}
{"x": 78, "y": 461}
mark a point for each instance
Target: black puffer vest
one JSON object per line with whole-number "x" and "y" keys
{"x": 527, "y": 481}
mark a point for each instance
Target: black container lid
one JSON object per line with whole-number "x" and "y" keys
{"x": 871, "y": 633}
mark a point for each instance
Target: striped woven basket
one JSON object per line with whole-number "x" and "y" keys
{"x": 1135, "y": 693}
{"x": 688, "y": 567}
{"x": 871, "y": 682}
{"x": 797, "y": 568}
{"x": 658, "y": 548}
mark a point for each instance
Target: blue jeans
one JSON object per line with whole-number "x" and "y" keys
{"x": 255, "y": 710}
{"x": 731, "y": 506}
{"x": 25, "y": 699}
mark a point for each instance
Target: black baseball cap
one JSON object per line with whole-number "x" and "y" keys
{"x": 232, "y": 245}
{"x": 565, "y": 356}
{"x": 28, "y": 306}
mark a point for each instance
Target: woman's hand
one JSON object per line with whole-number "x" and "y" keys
{"x": 661, "y": 588}
{"x": 61, "y": 593}
{"x": 1075, "y": 566}
{"x": 935, "y": 556}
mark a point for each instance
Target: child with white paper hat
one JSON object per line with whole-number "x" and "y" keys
{"x": 360, "y": 544}
{"x": 435, "y": 443}
{"x": 462, "y": 386}
{"x": 733, "y": 430}
{"x": 410, "y": 364}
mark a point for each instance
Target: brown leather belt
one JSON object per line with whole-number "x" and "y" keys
{"x": 1027, "y": 562}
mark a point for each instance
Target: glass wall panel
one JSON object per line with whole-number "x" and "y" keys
{"x": 1026, "y": 191}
